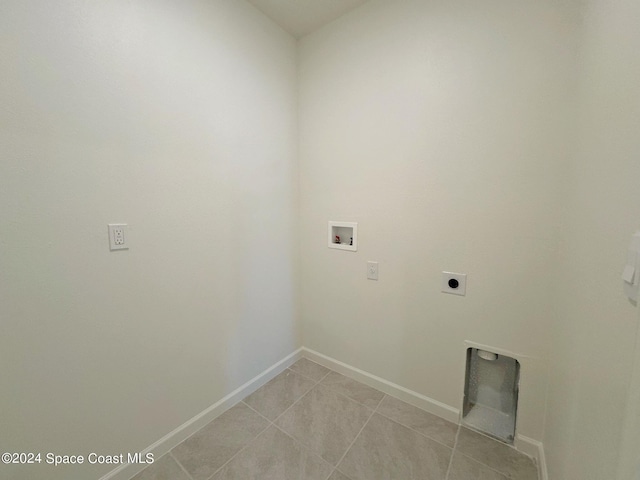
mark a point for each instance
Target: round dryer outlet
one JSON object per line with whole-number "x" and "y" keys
{"x": 454, "y": 283}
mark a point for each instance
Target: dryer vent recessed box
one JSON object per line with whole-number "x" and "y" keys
{"x": 343, "y": 235}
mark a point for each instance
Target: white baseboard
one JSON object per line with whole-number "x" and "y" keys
{"x": 421, "y": 401}
{"x": 184, "y": 431}
{"x": 535, "y": 450}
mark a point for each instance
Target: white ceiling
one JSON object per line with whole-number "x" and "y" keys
{"x": 300, "y": 17}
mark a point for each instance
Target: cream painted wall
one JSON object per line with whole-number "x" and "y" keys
{"x": 590, "y": 412}
{"x": 629, "y": 450}
{"x": 441, "y": 129}
{"x": 178, "y": 118}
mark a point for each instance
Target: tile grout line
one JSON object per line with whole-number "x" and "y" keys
{"x": 307, "y": 376}
{"x": 324, "y": 376}
{"x": 239, "y": 451}
{"x": 301, "y": 396}
{"x": 334, "y": 390}
{"x": 170, "y": 452}
{"x": 305, "y": 448}
{"x": 414, "y": 430}
{"x": 180, "y": 465}
{"x": 494, "y": 439}
{"x": 418, "y": 432}
{"x": 272, "y": 424}
{"x": 334, "y": 469}
{"x": 384, "y": 395}
{"x": 194, "y": 433}
{"x": 502, "y": 474}
{"x": 373, "y": 412}
{"x": 453, "y": 451}
{"x": 347, "y": 397}
{"x": 253, "y": 409}
{"x": 291, "y": 406}
{"x": 301, "y": 374}
{"x": 377, "y": 407}
{"x": 502, "y": 444}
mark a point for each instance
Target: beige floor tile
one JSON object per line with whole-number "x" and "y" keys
{"x": 497, "y": 455}
{"x": 274, "y": 455}
{"x": 309, "y": 369}
{"x": 424, "y": 422}
{"x": 386, "y": 450}
{"x": 165, "y": 468}
{"x": 318, "y": 422}
{"x": 338, "y": 476}
{"x": 465, "y": 468}
{"x": 325, "y": 421}
{"x": 357, "y": 391}
{"x": 212, "y": 446}
{"x": 279, "y": 394}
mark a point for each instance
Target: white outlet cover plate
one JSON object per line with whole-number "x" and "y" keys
{"x": 462, "y": 283}
{"x": 114, "y": 228}
{"x": 372, "y": 270}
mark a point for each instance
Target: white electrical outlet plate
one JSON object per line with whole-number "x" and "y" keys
{"x": 118, "y": 236}
{"x": 372, "y": 270}
{"x": 454, "y": 283}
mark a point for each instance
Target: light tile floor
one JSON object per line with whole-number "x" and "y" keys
{"x": 311, "y": 423}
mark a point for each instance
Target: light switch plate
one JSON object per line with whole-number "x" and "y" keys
{"x": 372, "y": 270}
